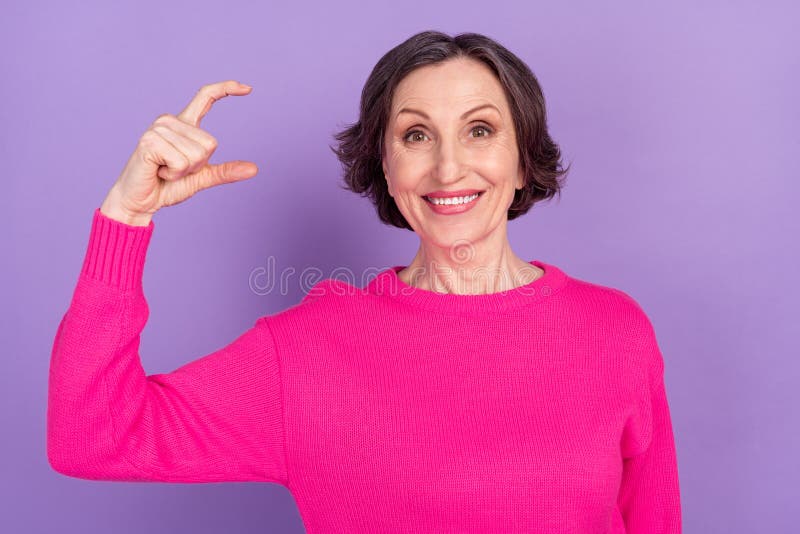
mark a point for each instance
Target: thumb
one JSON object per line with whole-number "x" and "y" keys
{"x": 223, "y": 173}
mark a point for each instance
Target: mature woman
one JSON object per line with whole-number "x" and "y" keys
{"x": 468, "y": 391}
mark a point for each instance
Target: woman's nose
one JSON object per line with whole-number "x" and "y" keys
{"x": 449, "y": 160}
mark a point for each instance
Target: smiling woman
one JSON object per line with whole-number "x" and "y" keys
{"x": 360, "y": 146}
{"x": 452, "y": 143}
{"x": 526, "y": 400}
{"x": 468, "y": 161}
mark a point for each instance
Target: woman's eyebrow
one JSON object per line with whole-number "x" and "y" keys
{"x": 464, "y": 116}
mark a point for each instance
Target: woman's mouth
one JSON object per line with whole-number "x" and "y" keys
{"x": 452, "y": 205}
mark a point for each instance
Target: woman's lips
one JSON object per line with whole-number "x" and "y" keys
{"x": 452, "y": 209}
{"x": 450, "y": 194}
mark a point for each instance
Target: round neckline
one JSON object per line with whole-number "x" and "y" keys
{"x": 389, "y": 285}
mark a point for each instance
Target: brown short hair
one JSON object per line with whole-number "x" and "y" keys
{"x": 359, "y": 149}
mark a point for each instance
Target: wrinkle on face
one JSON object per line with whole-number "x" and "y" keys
{"x": 446, "y": 154}
{"x": 443, "y": 99}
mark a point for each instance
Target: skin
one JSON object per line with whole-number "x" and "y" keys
{"x": 170, "y": 162}
{"x": 469, "y": 252}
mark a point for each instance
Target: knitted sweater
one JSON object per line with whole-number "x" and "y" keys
{"x": 385, "y": 408}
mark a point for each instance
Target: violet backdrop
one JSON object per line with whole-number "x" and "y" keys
{"x": 680, "y": 121}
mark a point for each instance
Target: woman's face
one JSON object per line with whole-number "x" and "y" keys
{"x": 450, "y": 129}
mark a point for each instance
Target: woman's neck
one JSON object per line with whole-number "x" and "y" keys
{"x": 463, "y": 272}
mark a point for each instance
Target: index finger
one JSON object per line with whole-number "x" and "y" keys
{"x": 206, "y": 96}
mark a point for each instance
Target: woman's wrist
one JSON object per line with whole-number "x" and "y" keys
{"x": 113, "y": 210}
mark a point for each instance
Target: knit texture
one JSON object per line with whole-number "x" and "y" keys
{"x": 383, "y": 408}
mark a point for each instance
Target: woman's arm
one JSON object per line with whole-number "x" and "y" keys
{"x": 217, "y": 418}
{"x": 649, "y": 494}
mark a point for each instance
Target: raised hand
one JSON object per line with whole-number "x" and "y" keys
{"x": 170, "y": 163}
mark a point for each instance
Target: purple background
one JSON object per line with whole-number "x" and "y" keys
{"x": 680, "y": 122}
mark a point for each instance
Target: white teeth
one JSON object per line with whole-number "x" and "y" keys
{"x": 452, "y": 200}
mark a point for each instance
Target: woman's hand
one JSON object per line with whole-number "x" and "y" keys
{"x": 170, "y": 163}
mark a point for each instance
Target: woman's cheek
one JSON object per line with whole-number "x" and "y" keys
{"x": 409, "y": 167}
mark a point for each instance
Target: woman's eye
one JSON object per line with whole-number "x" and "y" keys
{"x": 413, "y": 136}
{"x": 486, "y": 131}
{"x": 417, "y": 136}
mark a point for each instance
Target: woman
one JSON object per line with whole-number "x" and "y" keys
{"x": 469, "y": 391}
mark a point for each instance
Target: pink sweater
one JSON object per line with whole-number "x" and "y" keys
{"x": 382, "y": 409}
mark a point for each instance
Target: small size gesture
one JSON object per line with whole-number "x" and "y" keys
{"x": 170, "y": 163}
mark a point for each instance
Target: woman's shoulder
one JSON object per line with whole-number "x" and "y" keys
{"x": 330, "y": 289}
{"x": 326, "y": 299}
{"x": 330, "y": 313}
{"x": 607, "y": 300}
{"x": 620, "y": 317}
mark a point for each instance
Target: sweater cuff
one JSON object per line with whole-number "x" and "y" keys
{"x": 116, "y": 252}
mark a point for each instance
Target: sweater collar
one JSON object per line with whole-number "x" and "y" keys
{"x": 388, "y": 285}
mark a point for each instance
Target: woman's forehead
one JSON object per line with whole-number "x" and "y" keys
{"x": 454, "y": 77}
{"x": 452, "y": 84}
{"x": 458, "y": 108}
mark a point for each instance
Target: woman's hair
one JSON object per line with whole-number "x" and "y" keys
{"x": 360, "y": 150}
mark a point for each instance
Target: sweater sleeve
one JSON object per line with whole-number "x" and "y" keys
{"x": 215, "y": 419}
{"x": 649, "y": 494}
